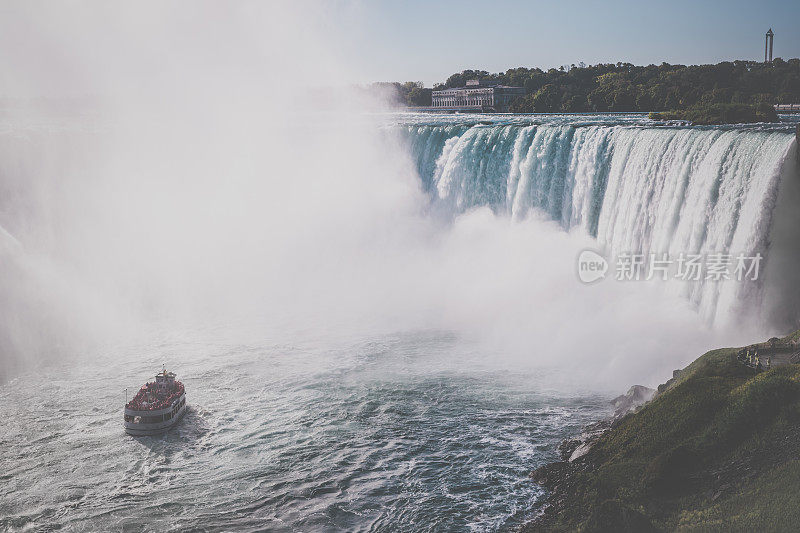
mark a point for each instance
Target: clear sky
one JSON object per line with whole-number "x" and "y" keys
{"x": 117, "y": 46}
{"x": 389, "y": 40}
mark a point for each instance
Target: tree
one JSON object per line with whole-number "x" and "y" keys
{"x": 626, "y": 87}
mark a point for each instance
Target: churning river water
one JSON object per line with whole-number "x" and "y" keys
{"x": 398, "y": 433}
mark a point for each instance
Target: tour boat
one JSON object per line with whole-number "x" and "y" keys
{"x": 157, "y": 406}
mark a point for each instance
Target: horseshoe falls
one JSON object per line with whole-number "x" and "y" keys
{"x": 635, "y": 187}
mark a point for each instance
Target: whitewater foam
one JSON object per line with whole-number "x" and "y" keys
{"x": 634, "y": 187}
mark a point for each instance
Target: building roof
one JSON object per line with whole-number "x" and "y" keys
{"x": 481, "y": 83}
{"x": 477, "y": 87}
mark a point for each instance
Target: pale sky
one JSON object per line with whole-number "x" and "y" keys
{"x": 123, "y": 47}
{"x": 427, "y": 40}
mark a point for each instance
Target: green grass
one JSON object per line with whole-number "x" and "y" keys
{"x": 716, "y": 450}
{"x": 771, "y": 504}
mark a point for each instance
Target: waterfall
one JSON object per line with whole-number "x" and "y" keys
{"x": 636, "y": 189}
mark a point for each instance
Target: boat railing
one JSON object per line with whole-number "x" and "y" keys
{"x": 154, "y": 417}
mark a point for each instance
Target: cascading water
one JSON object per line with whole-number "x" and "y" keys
{"x": 634, "y": 186}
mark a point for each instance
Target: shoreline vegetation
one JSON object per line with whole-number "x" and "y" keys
{"x": 703, "y": 94}
{"x": 713, "y": 114}
{"x": 716, "y": 449}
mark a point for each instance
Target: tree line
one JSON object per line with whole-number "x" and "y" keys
{"x": 625, "y": 87}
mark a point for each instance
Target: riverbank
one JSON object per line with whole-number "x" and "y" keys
{"x": 717, "y": 114}
{"x": 717, "y": 449}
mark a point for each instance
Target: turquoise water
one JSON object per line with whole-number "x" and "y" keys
{"x": 633, "y": 184}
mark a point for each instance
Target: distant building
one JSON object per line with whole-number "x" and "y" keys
{"x": 478, "y": 96}
{"x": 787, "y": 108}
{"x": 768, "y": 47}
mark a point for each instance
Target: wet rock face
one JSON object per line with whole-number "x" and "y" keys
{"x": 575, "y": 448}
{"x": 636, "y": 396}
{"x": 561, "y": 479}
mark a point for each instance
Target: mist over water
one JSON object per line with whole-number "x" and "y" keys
{"x": 470, "y": 228}
{"x": 377, "y": 316}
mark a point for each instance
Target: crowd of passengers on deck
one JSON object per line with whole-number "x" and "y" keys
{"x": 141, "y": 401}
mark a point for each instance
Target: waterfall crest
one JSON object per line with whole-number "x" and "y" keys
{"x": 635, "y": 189}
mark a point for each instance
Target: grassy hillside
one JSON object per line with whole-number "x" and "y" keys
{"x": 718, "y": 449}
